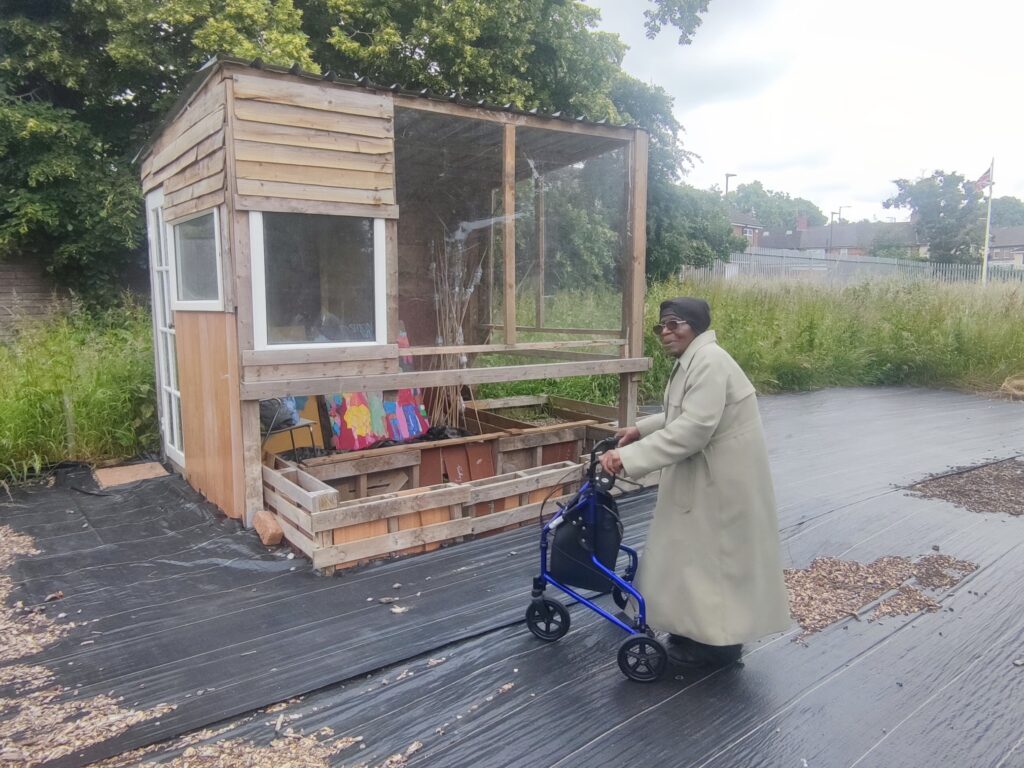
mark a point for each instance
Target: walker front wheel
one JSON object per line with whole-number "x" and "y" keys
{"x": 642, "y": 658}
{"x": 547, "y": 619}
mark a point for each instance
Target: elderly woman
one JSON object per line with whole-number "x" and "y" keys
{"x": 710, "y": 572}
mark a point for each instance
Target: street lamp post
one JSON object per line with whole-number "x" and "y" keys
{"x": 727, "y": 177}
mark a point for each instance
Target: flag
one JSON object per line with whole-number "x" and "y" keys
{"x": 985, "y": 180}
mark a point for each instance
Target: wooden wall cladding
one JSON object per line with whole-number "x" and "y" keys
{"x": 188, "y": 160}
{"x": 210, "y": 409}
{"x": 319, "y": 144}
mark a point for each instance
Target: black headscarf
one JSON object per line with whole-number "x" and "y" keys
{"x": 694, "y": 311}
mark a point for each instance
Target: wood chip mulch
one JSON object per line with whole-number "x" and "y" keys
{"x": 832, "y": 589}
{"x": 997, "y": 488}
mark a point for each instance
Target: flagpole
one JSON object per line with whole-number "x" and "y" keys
{"x": 988, "y": 224}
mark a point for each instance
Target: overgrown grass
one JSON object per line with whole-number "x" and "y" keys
{"x": 799, "y": 336}
{"x": 79, "y": 388}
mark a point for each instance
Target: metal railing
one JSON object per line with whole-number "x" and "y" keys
{"x": 816, "y": 266}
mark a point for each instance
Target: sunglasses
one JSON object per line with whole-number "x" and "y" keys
{"x": 669, "y": 325}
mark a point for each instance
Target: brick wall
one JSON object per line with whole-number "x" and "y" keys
{"x": 26, "y": 294}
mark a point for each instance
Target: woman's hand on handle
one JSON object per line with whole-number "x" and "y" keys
{"x": 610, "y": 462}
{"x": 627, "y": 435}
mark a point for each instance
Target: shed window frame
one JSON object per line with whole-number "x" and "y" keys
{"x": 257, "y": 255}
{"x": 196, "y": 305}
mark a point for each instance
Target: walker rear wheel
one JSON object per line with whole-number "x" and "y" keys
{"x": 547, "y": 619}
{"x": 642, "y": 658}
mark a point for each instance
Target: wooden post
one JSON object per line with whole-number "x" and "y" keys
{"x": 509, "y": 233}
{"x": 539, "y": 219}
{"x": 391, "y": 257}
{"x": 252, "y": 460}
{"x": 636, "y": 279}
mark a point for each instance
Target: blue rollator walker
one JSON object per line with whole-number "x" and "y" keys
{"x": 586, "y": 538}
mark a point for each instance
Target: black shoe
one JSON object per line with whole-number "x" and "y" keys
{"x": 700, "y": 656}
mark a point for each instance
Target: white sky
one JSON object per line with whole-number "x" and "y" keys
{"x": 832, "y": 99}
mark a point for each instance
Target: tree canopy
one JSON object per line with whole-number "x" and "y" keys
{"x": 947, "y": 213}
{"x": 775, "y": 211}
{"x": 1007, "y": 211}
{"x": 84, "y": 82}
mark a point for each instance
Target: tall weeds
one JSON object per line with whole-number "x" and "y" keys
{"x": 79, "y": 387}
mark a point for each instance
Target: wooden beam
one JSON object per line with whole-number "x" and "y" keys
{"x": 491, "y": 348}
{"x": 289, "y": 205}
{"x": 444, "y": 378}
{"x": 614, "y": 333}
{"x": 389, "y": 505}
{"x": 509, "y": 231}
{"x": 516, "y": 401}
{"x": 510, "y": 118}
{"x": 539, "y": 219}
{"x": 327, "y": 355}
{"x": 366, "y": 465}
{"x": 636, "y": 279}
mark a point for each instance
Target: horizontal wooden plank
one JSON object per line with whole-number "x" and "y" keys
{"x": 341, "y": 178}
{"x": 563, "y": 473}
{"x": 207, "y": 146}
{"x": 297, "y": 538}
{"x": 324, "y": 371}
{"x": 459, "y": 377}
{"x": 519, "y": 346}
{"x": 303, "y": 137}
{"x": 203, "y": 103}
{"x": 305, "y": 156}
{"x": 517, "y": 401}
{"x": 340, "y": 470}
{"x": 315, "y": 119}
{"x": 528, "y": 121}
{"x": 559, "y": 434}
{"x": 419, "y": 446}
{"x": 210, "y": 165}
{"x": 326, "y": 355}
{"x": 330, "y": 98}
{"x": 206, "y": 186}
{"x": 607, "y": 412}
{"x": 285, "y": 205}
{"x": 204, "y": 203}
{"x": 389, "y": 505}
{"x": 290, "y": 490}
{"x": 314, "y": 192}
{"x": 595, "y": 332}
{"x": 299, "y": 517}
{"x": 190, "y": 138}
{"x": 379, "y": 546}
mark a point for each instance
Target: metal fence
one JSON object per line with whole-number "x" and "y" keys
{"x": 816, "y": 266}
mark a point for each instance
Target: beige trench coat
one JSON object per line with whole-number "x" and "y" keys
{"x": 711, "y": 568}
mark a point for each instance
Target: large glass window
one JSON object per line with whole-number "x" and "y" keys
{"x": 197, "y": 263}
{"x": 317, "y": 279}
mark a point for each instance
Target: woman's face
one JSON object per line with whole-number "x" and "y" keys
{"x": 675, "y": 342}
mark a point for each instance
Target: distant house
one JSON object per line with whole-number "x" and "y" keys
{"x": 862, "y": 238}
{"x": 746, "y": 225}
{"x": 1007, "y": 247}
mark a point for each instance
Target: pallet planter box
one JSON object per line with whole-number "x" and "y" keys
{"x": 312, "y": 236}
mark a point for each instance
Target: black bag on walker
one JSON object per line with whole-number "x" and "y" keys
{"x": 575, "y": 542}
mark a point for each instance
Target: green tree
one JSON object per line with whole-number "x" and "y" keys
{"x": 776, "y": 211}
{"x": 97, "y": 75}
{"x": 946, "y": 213}
{"x": 686, "y": 226}
{"x": 1007, "y": 211}
{"x": 82, "y": 83}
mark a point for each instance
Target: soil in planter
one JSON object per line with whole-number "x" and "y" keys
{"x": 537, "y": 415}
{"x": 997, "y": 487}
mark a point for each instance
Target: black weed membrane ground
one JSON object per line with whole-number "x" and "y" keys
{"x": 165, "y": 618}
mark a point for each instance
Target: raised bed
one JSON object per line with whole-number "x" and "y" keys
{"x": 346, "y": 509}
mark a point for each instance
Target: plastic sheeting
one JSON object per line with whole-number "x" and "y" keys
{"x": 182, "y": 602}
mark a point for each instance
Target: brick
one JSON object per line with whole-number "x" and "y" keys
{"x": 268, "y": 528}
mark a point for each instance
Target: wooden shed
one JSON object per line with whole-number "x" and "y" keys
{"x": 372, "y": 250}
